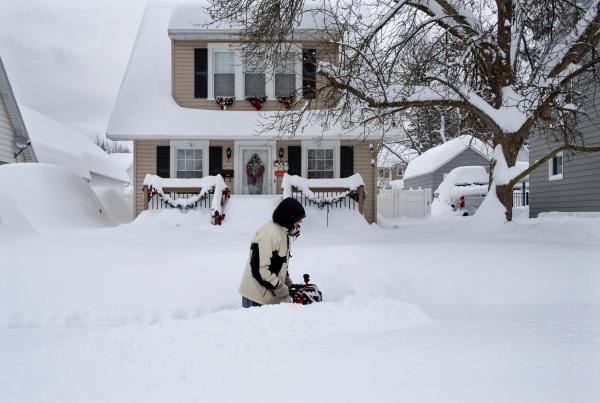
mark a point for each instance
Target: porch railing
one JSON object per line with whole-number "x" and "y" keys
{"x": 155, "y": 202}
{"x": 348, "y": 202}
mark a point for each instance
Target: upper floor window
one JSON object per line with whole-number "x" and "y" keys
{"x": 224, "y": 77}
{"x": 254, "y": 73}
{"x": 555, "y": 168}
{"x": 285, "y": 76}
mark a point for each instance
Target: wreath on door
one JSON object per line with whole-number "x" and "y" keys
{"x": 255, "y": 174}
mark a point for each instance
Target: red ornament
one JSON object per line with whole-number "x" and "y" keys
{"x": 255, "y": 176}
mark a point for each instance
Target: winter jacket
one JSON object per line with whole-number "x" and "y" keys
{"x": 267, "y": 263}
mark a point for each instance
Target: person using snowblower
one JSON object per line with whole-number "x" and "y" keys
{"x": 266, "y": 278}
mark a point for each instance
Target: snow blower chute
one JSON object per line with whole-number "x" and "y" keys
{"x": 305, "y": 293}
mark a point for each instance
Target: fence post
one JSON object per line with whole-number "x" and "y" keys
{"x": 361, "y": 199}
{"x": 144, "y": 189}
{"x": 523, "y": 194}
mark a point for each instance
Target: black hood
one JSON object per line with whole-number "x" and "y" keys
{"x": 289, "y": 212}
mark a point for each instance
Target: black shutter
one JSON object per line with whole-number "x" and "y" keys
{"x": 309, "y": 73}
{"x": 346, "y": 161}
{"x": 200, "y": 73}
{"x": 215, "y": 160}
{"x": 295, "y": 160}
{"x": 163, "y": 161}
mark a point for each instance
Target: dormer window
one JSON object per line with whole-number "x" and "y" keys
{"x": 254, "y": 74}
{"x": 285, "y": 76}
{"x": 224, "y": 77}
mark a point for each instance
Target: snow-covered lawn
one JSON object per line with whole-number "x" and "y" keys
{"x": 431, "y": 312}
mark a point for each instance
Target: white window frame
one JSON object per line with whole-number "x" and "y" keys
{"x": 313, "y": 145}
{"x": 266, "y": 72}
{"x": 400, "y": 170}
{"x": 188, "y": 144}
{"x": 238, "y": 69}
{"x": 559, "y": 176}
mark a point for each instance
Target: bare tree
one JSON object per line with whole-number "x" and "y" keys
{"x": 511, "y": 66}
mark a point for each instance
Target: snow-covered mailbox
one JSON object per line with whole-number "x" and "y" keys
{"x": 209, "y": 192}
{"x": 339, "y": 193}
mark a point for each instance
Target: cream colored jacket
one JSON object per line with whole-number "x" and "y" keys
{"x": 267, "y": 264}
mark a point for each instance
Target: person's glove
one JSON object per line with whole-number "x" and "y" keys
{"x": 281, "y": 291}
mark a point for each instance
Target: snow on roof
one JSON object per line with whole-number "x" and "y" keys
{"x": 125, "y": 160}
{"x": 435, "y": 157}
{"x": 194, "y": 15}
{"x": 399, "y": 153}
{"x": 145, "y": 108}
{"x": 55, "y": 143}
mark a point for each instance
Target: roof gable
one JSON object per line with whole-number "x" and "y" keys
{"x": 439, "y": 156}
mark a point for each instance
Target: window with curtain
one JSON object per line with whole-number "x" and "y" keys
{"x": 254, "y": 73}
{"x": 320, "y": 163}
{"x": 189, "y": 163}
{"x": 224, "y": 76}
{"x": 285, "y": 76}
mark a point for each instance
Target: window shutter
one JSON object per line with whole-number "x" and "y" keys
{"x": 295, "y": 160}
{"x": 163, "y": 161}
{"x": 200, "y": 73}
{"x": 309, "y": 73}
{"x": 215, "y": 160}
{"x": 346, "y": 161}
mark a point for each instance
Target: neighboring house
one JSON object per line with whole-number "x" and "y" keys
{"x": 392, "y": 162}
{"x": 11, "y": 124}
{"x": 167, "y": 106}
{"x": 567, "y": 182}
{"x": 429, "y": 169}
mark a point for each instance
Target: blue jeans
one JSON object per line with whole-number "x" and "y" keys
{"x": 248, "y": 303}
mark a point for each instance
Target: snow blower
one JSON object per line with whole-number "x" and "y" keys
{"x": 305, "y": 293}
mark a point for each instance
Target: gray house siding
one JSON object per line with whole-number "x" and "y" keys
{"x": 579, "y": 190}
{"x": 468, "y": 157}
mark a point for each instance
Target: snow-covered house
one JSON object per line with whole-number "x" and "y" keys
{"x": 180, "y": 68}
{"x": 429, "y": 169}
{"x": 12, "y": 126}
{"x": 49, "y": 141}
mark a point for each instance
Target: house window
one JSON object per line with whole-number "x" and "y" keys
{"x": 320, "y": 163}
{"x": 399, "y": 170}
{"x": 254, "y": 73}
{"x": 189, "y": 163}
{"x": 555, "y": 167}
{"x": 285, "y": 76}
{"x": 224, "y": 77}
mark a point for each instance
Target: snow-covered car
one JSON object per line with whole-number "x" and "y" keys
{"x": 462, "y": 191}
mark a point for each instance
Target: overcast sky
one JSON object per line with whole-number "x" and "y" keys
{"x": 66, "y": 58}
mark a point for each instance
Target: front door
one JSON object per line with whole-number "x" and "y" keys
{"x": 256, "y": 170}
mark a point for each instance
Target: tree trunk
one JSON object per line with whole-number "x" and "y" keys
{"x": 511, "y": 145}
{"x": 505, "y": 195}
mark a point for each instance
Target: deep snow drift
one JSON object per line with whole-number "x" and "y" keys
{"x": 434, "y": 311}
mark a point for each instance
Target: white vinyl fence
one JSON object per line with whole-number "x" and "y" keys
{"x": 395, "y": 203}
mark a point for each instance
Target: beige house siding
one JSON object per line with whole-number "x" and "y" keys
{"x": 227, "y": 164}
{"x": 144, "y": 154}
{"x": 182, "y": 67}
{"x": 363, "y": 166}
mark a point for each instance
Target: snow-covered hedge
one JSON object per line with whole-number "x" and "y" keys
{"x": 208, "y": 185}
{"x": 352, "y": 183}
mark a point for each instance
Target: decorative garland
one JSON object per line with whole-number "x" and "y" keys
{"x": 180, "y": 202}
{"x": 286, "y": 101}
{"x": 257, "y": 102}
{"x": 224, "y": 102}
{"x": 329, "y": 200}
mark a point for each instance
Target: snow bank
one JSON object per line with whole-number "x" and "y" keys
{"x": 13, "y": 223}
{"x": 118, "y": 210}
{"x": 51, "y": 197}
{"x": 435, "y": 157}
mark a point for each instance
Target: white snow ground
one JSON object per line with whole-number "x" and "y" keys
{"x": 443, "y": 311}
